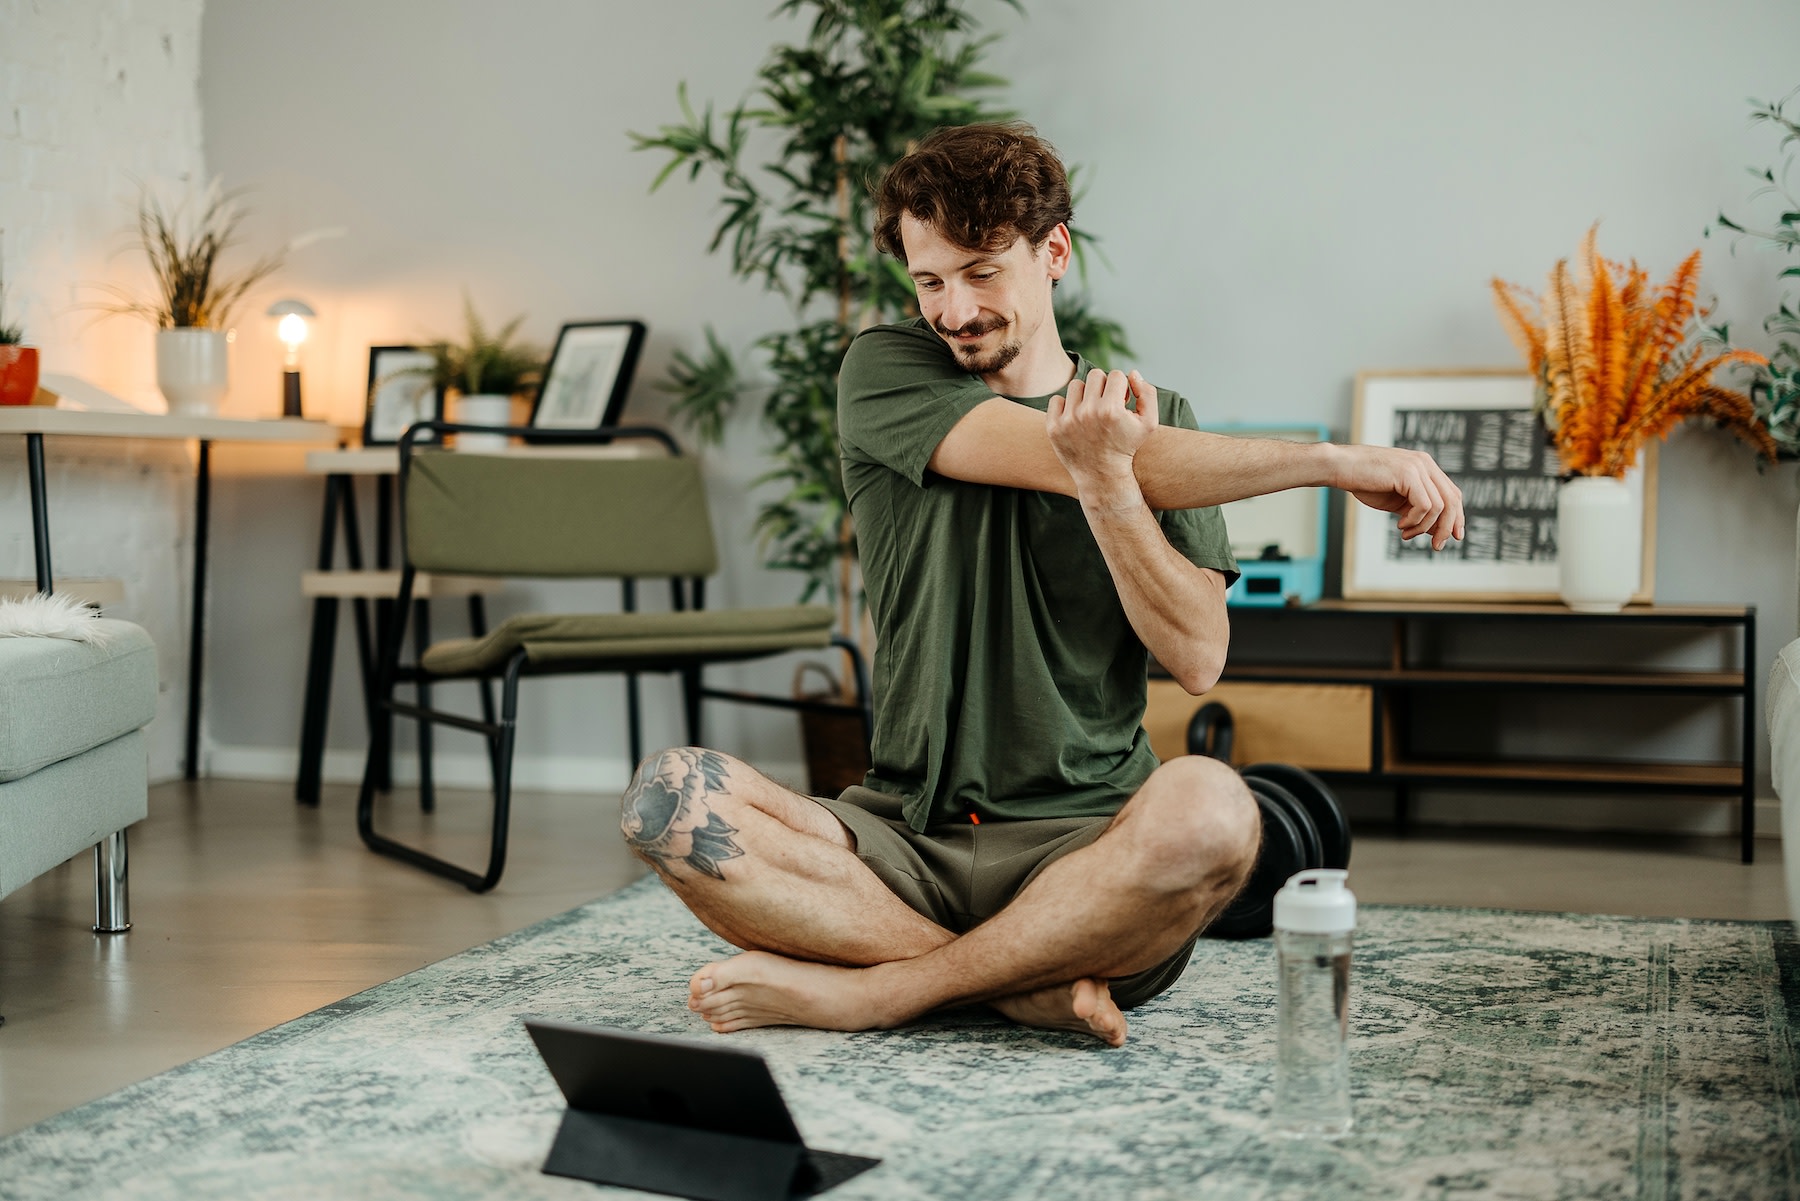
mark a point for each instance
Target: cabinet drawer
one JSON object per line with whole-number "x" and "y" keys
{"x": 1325, "y": 727}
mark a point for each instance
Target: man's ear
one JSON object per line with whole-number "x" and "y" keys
{"x": 1059, "y": 251}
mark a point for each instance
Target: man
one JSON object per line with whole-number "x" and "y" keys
{"x": 1028, "y": 527}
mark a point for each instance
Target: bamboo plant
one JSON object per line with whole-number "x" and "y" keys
{"x": 870, "y": 79}
{"x": 1616, "y": 363}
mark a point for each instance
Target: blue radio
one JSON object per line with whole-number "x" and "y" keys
{"x": 1279, "y": 539}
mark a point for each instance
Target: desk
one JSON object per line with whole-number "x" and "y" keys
{"x": 34, "y": 421}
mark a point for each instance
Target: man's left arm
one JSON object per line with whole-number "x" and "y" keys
{"x": 1176, "y": 608}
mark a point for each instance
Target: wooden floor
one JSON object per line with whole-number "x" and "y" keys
{"x": 250, "y": 910}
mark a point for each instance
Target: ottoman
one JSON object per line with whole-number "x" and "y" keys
{"x": 73, "y": 770}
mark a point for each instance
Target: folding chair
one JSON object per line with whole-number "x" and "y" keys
{"x": 547, "y": 515}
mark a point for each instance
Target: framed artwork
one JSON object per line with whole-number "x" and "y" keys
{"x": 1479, "y": 426}
{"x": 401, "y": 392}
{"x": 589, "y": 374}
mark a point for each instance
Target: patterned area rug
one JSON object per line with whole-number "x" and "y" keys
{"x": 1494, "y": 1055}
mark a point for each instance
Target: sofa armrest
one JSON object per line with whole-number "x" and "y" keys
{"x": 1783, "y": 715}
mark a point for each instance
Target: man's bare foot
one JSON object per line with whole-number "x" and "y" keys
{"x": 760, "y": 989}
{"x": 1086, "y": 1007}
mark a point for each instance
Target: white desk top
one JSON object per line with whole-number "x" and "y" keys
{"x": 385, "y": 460}
{"x": 42, "y": 419}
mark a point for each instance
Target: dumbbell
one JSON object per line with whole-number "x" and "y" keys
{"x": 1303, "y": 826}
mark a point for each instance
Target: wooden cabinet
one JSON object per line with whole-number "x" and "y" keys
{"x": 1343, "y": 688}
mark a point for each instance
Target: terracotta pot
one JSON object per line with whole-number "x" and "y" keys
{"x": 18, "y": 374}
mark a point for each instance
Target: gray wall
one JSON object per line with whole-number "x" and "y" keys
{"x": 1287, "y": 194}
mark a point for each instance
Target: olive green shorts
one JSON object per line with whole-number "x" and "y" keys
{"x": 961, "y": 874}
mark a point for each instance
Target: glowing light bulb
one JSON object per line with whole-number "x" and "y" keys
{"x": 292, "y": 332}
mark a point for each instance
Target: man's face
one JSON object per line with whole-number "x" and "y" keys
{"x": 987, "y": 305}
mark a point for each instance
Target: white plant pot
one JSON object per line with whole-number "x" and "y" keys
{"x": 1599, "y": 543}
{"x": 483, "y": 409}
{"x": 192, "y": 370}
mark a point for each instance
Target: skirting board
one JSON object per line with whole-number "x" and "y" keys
{"x": 573, "y": 773}
{"x": 554, "y": 773}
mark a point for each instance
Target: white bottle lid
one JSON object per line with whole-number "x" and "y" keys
{"x": 1315, "y": 901}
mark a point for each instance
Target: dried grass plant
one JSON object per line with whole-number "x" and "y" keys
{"x": 193, "y": 288}
{"x": 1615, "y": 363}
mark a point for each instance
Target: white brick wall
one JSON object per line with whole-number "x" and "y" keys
{"x": 96, "y": 96}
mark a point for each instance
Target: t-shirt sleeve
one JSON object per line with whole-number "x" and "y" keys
{"x": 899, "y": 392}
{"x": 1199, "y": 534}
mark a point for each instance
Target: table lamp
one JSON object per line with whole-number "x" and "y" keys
{"x": 291, "y": 329}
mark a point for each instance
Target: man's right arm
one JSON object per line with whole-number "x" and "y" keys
{"x": 1007, "y": 444}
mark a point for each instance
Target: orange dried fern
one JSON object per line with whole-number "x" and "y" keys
{"x": 1614, "y": 363}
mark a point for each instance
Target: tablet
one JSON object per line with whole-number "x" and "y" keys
{"x": 678, "y": 1116}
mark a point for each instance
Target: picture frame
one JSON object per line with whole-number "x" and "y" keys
{"x": 401, "y": 391}
{"x": 589, "y": 375}
{"x": 1479, "y": 425}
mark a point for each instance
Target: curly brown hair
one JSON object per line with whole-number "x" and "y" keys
{"x": 980, "y": 186}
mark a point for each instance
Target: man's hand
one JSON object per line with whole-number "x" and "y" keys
{"x": 1092, "y": 431}
{"x": 1408, "y": 483}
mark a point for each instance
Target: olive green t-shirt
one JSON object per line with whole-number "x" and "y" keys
{"x": 1008, "y": 681}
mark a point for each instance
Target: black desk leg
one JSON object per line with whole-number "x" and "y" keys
{"x": 421, "y": 640}
{"x": 365, "y": 644}
{"x": 321, "y": 650}
{"x": 196, "y": 638}
{"x": 381, "y": 732}
{"x": 40, "y": 510}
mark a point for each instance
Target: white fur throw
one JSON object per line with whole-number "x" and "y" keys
{"x": 52, "y": 616}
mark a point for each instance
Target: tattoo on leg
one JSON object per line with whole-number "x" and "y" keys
{"x": 666, "y": 817}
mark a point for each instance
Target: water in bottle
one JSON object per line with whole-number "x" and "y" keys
{"x": 1315, "y": 919}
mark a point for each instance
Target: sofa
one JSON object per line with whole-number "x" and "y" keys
{"x": 1782, "y": 712}
{"x": 73, "y": 763}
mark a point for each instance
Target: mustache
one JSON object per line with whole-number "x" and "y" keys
{"x": 974, "y": 329}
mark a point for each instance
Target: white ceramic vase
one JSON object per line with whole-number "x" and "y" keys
{"x": 483, "y": 409}
{"x": 1599, "y": 543}
{"x": 192, "y": 370}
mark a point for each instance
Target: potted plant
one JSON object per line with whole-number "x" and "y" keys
{"x": 1617, "y": 364}
{"x": 195, "y": 296}
{"x": 484, "y": 372}
{"x": 18, "y": 362}
{"x": 1774, "y": 387}
{"x": 871, "y": 77}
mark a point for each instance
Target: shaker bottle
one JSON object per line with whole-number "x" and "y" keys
{"x": 1315, "y": 918}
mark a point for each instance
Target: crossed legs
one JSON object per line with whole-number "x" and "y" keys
{"x": 827, "y": 945}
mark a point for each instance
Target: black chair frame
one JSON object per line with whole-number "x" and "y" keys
{"x": 500, "y": 729}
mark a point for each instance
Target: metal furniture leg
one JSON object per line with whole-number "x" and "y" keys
{"x": 381, "y": 728}
{"x": 422, "y": 640}
{"x": 112, "y": 897}
{"x": 196, "y": 637}
{"x": 321, "y": 650}
{"x": 1747, "y": 752}
{"x": 40, "y": 510}
{"x": 478, "y": 629}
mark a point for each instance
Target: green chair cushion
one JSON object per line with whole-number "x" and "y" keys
{"x": 620, "y": 639}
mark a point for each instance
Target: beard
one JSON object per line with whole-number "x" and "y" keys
{"x": 976, "y": 361}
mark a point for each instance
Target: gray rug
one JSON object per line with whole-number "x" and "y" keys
{"x": 1494, "y": 1055}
